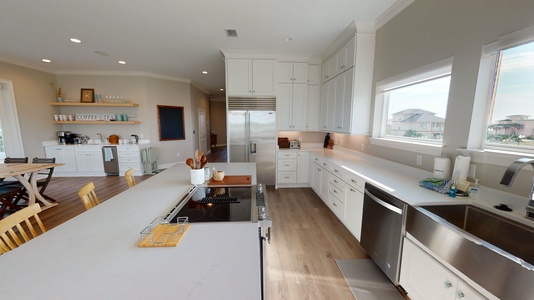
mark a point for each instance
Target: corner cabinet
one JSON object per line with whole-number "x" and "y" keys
{"x": 251, "y": 77}
{"x": 96, "y": 122}
{"x": 347, "y": 87}
{"x": 291, "y": 106}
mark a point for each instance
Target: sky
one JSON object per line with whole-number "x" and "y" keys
{"x": 515, "y": 89}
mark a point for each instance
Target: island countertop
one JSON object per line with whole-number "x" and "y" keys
{"x": 95, "y": 255}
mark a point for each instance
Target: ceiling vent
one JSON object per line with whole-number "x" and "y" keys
{"x": 99, "y": 52}
{"x": 231, "y": 33}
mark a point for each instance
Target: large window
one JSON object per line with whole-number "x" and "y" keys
{"x": 412, "y": 107}
{"x": 511, "y": 121}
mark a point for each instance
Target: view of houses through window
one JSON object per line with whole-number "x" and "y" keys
{"x": 512, "y": 110}
{"x": 418, "y": 110}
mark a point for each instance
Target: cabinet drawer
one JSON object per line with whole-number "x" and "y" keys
{"x": 287, "y": 177}
{"x": 337, "y": 170}
{"x": 128, "y": 148}
{"x": 286, "y": 154}
{"x": 337, "y": 192}
{"x": 128, "y": 154}
{"x": 287, "y": 165}
{"x": 355, "y": 181}
{"x": 336, "y": 206}
{"x": 336, "y": 181}
{"x": 126, "y": 160}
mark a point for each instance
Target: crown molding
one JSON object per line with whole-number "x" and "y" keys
{"x": 25, "y": 65}
{"x": 250, "y": 54}
{"x": 119, "y": 73}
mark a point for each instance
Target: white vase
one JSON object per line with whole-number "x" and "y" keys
{"x": 197, "y": 176}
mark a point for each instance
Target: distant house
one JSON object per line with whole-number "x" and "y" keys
{"x": 513, "y": 125}
{"x": 416, "y": 123}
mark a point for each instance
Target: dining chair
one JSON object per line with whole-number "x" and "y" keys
{"x": 8, "y": 195}
{"x": 13, "y": 160}
{"x": 88, "y": 196}
{"x": 12, "y": 232}
{"x": 130, "y": 179}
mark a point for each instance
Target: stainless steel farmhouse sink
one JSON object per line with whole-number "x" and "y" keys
{"x": 495, "y": 252}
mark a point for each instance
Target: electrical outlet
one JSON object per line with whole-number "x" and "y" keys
{"x": 472, "y": 172}
{"x": 178, "y": 154}
{"x": 419, "y": 160}
{"x": 362, "y": 147}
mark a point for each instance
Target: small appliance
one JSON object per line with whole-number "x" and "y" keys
{"x": 294, "y": 144}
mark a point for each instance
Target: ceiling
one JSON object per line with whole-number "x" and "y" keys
{"x": 177, "y": 39}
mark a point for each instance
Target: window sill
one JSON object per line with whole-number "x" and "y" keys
{"x": 429, "y": 149}
{"x": 494, "y": 156}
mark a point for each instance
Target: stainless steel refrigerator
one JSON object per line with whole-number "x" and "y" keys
{"x": 252, "y": 136}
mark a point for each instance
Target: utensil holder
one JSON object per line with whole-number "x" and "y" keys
{"x": 197, "y": 176}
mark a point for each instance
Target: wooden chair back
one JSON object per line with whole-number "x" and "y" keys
{"x": 12, "y": 233}
{"x": 88, "y": 196}
{"x": 130, "y": 179}
{"x": 16, "y": 160}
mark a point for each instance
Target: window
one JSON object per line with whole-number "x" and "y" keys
{"x": 412, "y": 107}
{"x": 511, "y": 118}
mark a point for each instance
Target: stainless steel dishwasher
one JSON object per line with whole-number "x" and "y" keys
{"x": 111, "y": 160}
{"x": 383, "y": 227}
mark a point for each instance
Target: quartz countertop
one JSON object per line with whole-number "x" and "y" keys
{"x": 95, "y": 255}
{"x": 402, "y": 181}
{"x": 142, "y": 143}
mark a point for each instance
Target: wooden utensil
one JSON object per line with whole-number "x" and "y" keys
{"x": 196, "y": 159}
{"x": 190, "y": 163}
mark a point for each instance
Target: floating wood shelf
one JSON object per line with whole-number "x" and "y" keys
{"x": 108, "y": 104}
{"x": 99, "y": 122}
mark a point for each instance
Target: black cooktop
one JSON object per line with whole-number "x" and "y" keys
{"x": 218, "y": 204}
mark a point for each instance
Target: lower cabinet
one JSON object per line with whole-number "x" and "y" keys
{"x": 64, "y": 155}
{"x": 425, "y": 278}
{"x": 130, "y": 157}
{"x": 89, "y": 160}
{"x": 292, "y": 168}
{"x": 354, "y": 211}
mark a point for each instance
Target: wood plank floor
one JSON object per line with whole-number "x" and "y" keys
{"x": 306, "y": 237}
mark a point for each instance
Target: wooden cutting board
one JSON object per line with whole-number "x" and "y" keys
{"x": 232, "y": 180}
{"x": 164, "y": 235}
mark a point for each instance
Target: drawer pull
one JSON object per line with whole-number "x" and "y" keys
{"x": 352, "y": 190}
{"x": 336, "y": 171}
{"x": 447, "y": 284}
{"x": 334, "y": 203}
{"x": 335, "y": 191}
{"x": 286, "y": 165}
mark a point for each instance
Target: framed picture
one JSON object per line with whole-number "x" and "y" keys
{"x": 87, "y": 96}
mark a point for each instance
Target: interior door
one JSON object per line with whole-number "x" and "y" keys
{"x": 202, "y": 143}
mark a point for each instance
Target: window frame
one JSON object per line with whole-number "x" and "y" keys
{"x": 378, "y": 135}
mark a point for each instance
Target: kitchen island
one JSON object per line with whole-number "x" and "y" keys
{"x": 95, "y": 255}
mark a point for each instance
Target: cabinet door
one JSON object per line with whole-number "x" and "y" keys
{"x": 354, "y": 211}
{"x": 314, "y": 76}
{"x": 347, "y": 101}
{"x": 263, "y": 77}
{"x": 283, "y": 106}
{"x": 317, "y": 178}
{"x": 83, "y": 162}
{"x": 323, "y": 114}
{"x": 327, "y": 69}
{"x": 345, "y": 57}
{"x": 303, "y": 159}
{"x": 312, "y": 108}
{"x": 239, "y": 81}
{"x": 300, "y": 72}
{"x": 63, "y": 155}
{"x": 338, "y": 103}
{"x": 331, "y": 105}
{"x": 325, "y": 183}
{"x": 285, "y": 72}
{"x": 350, "y": 53}
{"x": 298, "y": 106}
{"x": 423, "y": 277}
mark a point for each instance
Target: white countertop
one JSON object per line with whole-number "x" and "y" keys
{"x": 402, "y": 182}
{"x": 142, "y": 143}
{"x": 95, "y": 255}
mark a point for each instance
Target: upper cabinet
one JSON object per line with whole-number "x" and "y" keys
{"x": 347, "y": 87}
{"x": 251, "y": 77}
{"x": 292, "y": 72}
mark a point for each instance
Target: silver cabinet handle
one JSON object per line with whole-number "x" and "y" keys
{"x": 447, "y": 284}
{"x": 334, "y": 203}
{"x": 352, "y": 190}
{"x": 384, "y": 204}
{"x": 459, "y": 295}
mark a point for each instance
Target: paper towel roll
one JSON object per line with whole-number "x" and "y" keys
{"x": 461, "y": 165}
{"x": 442, "y": 168}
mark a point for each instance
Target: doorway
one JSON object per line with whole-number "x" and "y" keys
{"x": 202, "y": 130}
{"x": 10, "y": 135}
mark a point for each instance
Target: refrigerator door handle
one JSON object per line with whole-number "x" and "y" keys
{"x": 252, "y": 147}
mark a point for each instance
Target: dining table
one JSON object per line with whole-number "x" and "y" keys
{"x": 26, "y": 174}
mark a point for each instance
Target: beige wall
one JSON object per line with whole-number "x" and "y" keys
{"x": 33, "y": 93}
{"x": 200, "y": 100}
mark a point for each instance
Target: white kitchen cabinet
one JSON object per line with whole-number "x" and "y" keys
{"x": 328, "y": 104}
{"x": 292, "y": 168}
{"x": 130, "y": 157}
{"x": 316, "y": 177}
{"x": 425, "y": 278}
{"x": 314, "y": 75}
{"x": 291, "y": 105}
{"x": 345, "y": 57}
{"x": 312, "y": 108}
{"x": 64, "y": 155}
{"x": 248, "y": 77}
{"x": 89, "y": 160}
{"x": 303, "y": 166}
{"x": 289, "y": 72}
{"x": 328, "y": 69}
{"x": 353, "y": 211}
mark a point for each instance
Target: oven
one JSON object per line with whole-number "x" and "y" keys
{"x": 228, "y": 204}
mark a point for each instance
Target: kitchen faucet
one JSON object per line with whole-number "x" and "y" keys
{"x": 100, "y": 136}
{"x": 509, "y": 176}
{"x": 136, "y": 138}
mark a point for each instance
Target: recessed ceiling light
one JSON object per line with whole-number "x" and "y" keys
{"x": 77, "y": 41}
{"x": 46, "y": 60}
{"x": 122, "y": 62}
{"x": 221, "y": 90}
{"x": 288, "y": 39}
{"x": 204, "y": 72}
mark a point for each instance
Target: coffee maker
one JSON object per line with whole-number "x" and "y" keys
{"x": 62, "y": 137}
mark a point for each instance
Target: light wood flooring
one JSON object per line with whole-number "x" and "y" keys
{"x": 306, "y": 237}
